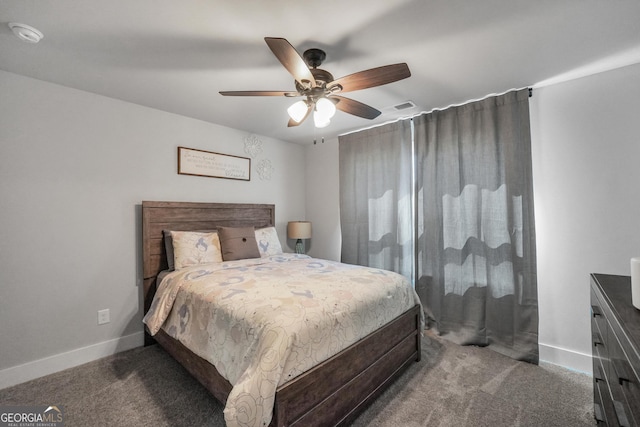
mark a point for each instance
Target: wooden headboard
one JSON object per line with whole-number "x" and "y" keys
{"x": 189, "y": 216}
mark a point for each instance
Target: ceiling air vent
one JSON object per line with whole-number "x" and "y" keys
{"x": 404, "y": 106}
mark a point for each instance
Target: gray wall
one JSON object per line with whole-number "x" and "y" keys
{"x": 323, "y": 202}
{"x": 586, "y": 157}
{"x": 74, "y": 168}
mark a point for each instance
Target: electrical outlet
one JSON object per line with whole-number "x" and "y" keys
{"x": 103, "y": 316}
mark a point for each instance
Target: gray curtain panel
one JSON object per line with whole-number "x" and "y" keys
{"x": 451, "y": 205}
{"x": 375, "y": 198}
{"x": 476, "y": 255}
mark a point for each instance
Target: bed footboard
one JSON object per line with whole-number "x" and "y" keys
{"x": 336, "y": 391}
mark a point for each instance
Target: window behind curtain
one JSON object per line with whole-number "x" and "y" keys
{"x": 375, "y": 198}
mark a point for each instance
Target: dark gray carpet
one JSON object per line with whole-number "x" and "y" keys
{"x": 451, "y": 386}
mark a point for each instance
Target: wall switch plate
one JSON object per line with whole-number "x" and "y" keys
{"x": 103, "y": 316}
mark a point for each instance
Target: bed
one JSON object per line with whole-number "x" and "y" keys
{"x": 332, "y": 392}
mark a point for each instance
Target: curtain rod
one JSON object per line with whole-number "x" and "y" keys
{"x": 438, "y": 109}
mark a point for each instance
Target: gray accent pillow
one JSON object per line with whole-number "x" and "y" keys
{"x": 238, "y": 243}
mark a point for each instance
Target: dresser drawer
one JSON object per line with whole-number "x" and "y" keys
{"x": 623, "y": 380}
{"x": 603, "y": 409}
{"x": 615, "y": 331}
{"x": 599, "y": 324}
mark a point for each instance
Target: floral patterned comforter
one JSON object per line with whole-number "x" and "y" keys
{"x": 262, "y": 322}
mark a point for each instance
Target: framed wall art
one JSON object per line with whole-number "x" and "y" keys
{"x": 214, "y": 165}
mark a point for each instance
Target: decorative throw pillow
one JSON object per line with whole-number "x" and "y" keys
{"x": 238, "y": 243}
{"x": 268, "y": 242}
{"x": 193, "y": 248}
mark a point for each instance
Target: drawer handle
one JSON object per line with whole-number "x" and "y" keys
{"x": 621, "y": 370}
{"x": 595, "y": 310}
{"x": 620, "y": 413}
{"x": 598, "y": 374}
{"x": 597, "y": 340}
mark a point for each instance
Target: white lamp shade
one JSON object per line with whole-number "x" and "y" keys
{"x": 297, "y": 111}
{"x": 325, "y": 108}
{"x": 299, "y": 230}
{"x": 320, "y": 121}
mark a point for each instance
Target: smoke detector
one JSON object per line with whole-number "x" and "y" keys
{"x": 25, "y": 32}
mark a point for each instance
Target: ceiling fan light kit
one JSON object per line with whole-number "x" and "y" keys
{"x": 318, "y": 87}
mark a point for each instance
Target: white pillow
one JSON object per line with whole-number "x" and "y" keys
{"x": 268, "y": 242}
{"x": 193, "y": 248}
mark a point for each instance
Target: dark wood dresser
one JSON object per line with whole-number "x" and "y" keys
{"x": 615, "y": 328}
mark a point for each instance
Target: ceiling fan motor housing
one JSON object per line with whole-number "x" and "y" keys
{"x": 322, "y": 78}
{"x": 314, "y": 57}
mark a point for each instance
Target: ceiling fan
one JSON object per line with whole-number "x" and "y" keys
{"x": 318, "y": 87}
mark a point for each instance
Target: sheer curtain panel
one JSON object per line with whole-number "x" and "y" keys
{"x": 476, "y": 258}
{"x": 375, "y": 197}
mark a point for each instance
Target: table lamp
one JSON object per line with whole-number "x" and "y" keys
{"x": 299, "y": 230}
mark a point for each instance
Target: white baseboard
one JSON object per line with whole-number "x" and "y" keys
{"x": 49, "y": 365}
{"x": 569, "y": 359}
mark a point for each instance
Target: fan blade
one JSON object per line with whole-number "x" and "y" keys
{"x": 258, "y": 93}
{"x": 356, "y": 108}
{"x": 291, "y": 60}
{"x": 293, "y": 123}
{"x": 373, "y": 77}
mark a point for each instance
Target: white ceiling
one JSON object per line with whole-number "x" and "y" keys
{"x": 176, "y": 55}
